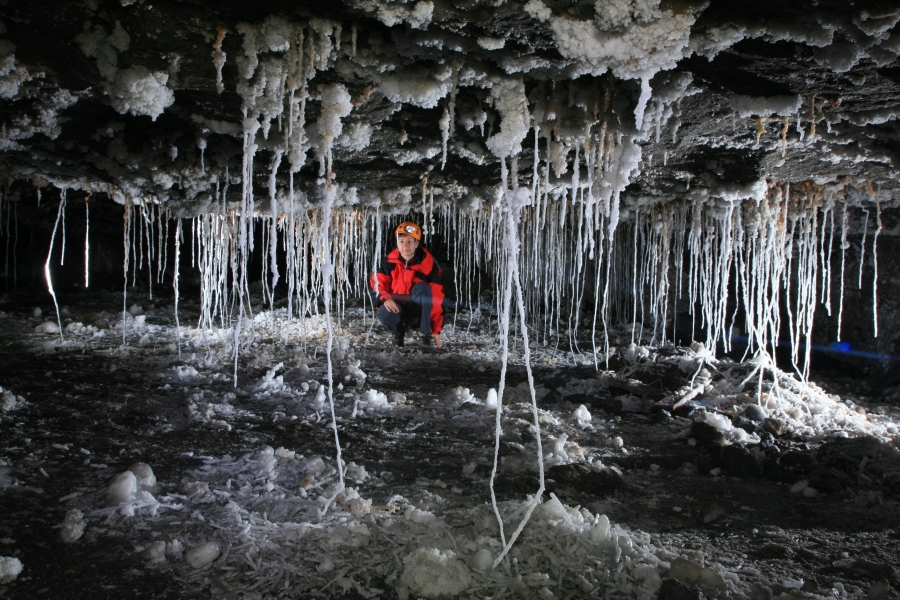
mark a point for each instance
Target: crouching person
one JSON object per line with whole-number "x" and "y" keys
{"x": 407, "y": 288}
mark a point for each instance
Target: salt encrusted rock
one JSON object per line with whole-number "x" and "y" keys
{"x": 879, "y": 590}
{"x": 590, "y": 478}
{"x": 672, "y": 589}
{"x": 47, "y": 327}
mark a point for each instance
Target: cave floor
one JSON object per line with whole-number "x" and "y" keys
{"x": 681, "y": 495}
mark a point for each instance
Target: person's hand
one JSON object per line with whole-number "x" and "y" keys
{"x": 437, "y": 340}
{"x": 391, "y": 306}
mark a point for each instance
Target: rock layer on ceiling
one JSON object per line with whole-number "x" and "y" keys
{"x": 156, "y": 100}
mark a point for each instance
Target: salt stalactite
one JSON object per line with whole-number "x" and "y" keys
{"x": 376, "y": 257}
{"x": 129, "y": 209}
{"x": 444, "y": 126}
{"x": 251, "y": 127}
{"x": 87, "y": 237}
{"x": 862, "y": 248}
{"x": 62, "y": 254}
{"x": 175, "y": 284}
{"x": 875, "y": 268}
{"x": 273, "y": 231}
{"x": 510, "y": 101}
{"x": 335, "y": 106}
{"x": 201, "y": 144}
{"x": 219, "y": 57}
{"x": 844, "y": 246}
{"x": 59, "y": 215}
{"x": 642, "y": 102}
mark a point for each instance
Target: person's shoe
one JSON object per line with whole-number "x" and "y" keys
{"x": 398, "y": 340}
{"x": 427, "y": 340}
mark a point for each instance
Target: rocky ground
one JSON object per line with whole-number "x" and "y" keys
{"x": 711, "y": 498}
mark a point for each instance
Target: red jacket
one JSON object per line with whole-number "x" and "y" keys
{"x": 397, "y": 276}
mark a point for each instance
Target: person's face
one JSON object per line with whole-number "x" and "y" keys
{"x": 407, "y": 245}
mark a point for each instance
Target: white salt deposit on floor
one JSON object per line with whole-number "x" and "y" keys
{"x": 276, "y": 523}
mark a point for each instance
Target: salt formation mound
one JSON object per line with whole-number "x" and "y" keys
{"x": 73, "y": 526}
{"x": 203, "y": 555}
{"x": 433, "y": 573}
{"x": 133, "y": 484}
{"x": 9, "y": 569}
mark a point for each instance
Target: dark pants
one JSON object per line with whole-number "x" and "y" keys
{"x": 415, "y": 314}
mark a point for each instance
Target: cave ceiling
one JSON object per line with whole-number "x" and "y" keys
{"x": 125, "y": 97}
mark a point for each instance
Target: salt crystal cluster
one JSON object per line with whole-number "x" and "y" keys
{"x": 204, "y": 554}
{"x": 132, "y": 485}
{"x": 73, "y": 526}
{"x": 10, "y": 569}
{"x": 432, "y": 573}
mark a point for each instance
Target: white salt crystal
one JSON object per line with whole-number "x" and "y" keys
{"x": 123, "y": 488}
{"x": 72, "y": 526}
{"x": 720, "y": 422}
{"x": 156, "y": 552}
{"x": 600, "y": 531}
{"x": 582, "y": 415}
{"x": 9, "y": 569}
{"x": 481, "y": 560}
{"x": 48, "y": 327}
{"x": 315, "y": 465}
{"x": 266, "y": 461}
{"x": 140, "y": 91}
{"x": 799, "y": 486}
{"x": 144, "y": 475}
{"x": 203, "y": 555}
{"x": 431, "y": 572}
{"x": 174, "y": 548}
{"x": 491, "y": 401}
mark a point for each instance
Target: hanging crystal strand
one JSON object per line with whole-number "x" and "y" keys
{"x": 127, "y": 243}
{"x": 821, "y": 258}
{"x": 793, "y": 314}
{"x": 273, "y": 230}
{"x": 147, "y": 212}
{"x": 739, "y": 266}
{"x": 59, "y": 216}
{"x": 598, "y": 278}
{"x": 62, "y": 254}
{"x": 513, "y": 207}
{"x": 377, "y": 256}
{"x": 135, "y": 244}
{"x": 660, "y": 278}
{"x": 694, "y": 255}
{"x": 844, "y": 245}
{"x": 726, "y": 261}
{"x": 327, "y": 270}
{"x": 862, "y": 247}
{"x": 634, "y": 275}
{"x": 175, "y": 284}
{"x": 875, "y": 268}
{"x": 812, "y": 214}
{"x": 87, "y": 237}
{"x": 826, "y": 278}
{"x": 162, "y": 236}
{"x": 251, "y": 126}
